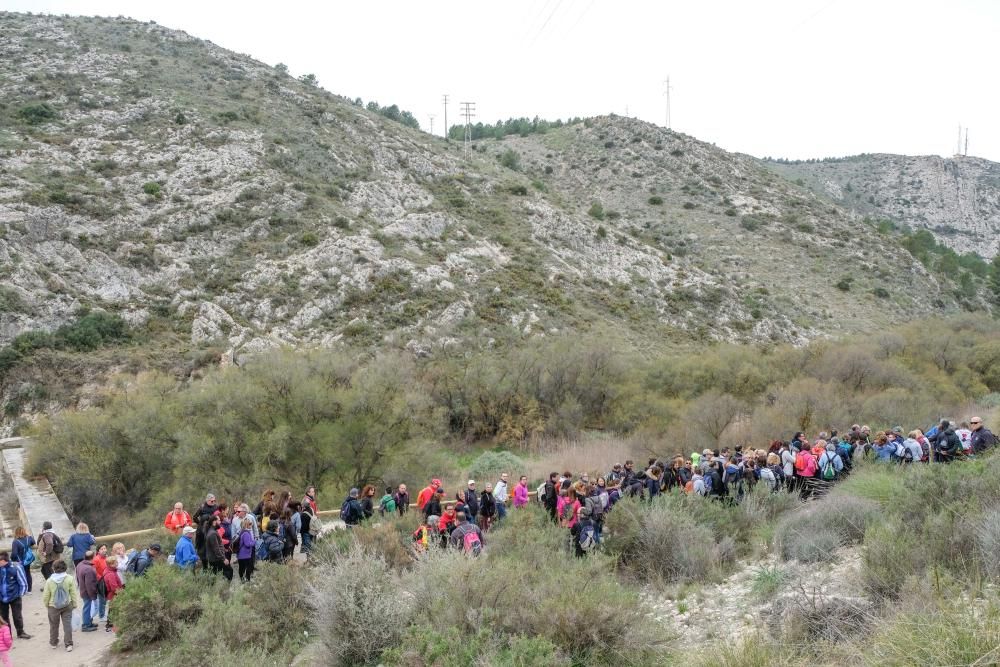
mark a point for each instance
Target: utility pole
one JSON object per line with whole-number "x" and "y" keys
{"x": 446, "y": 117}
{"x": 958, "y": 148}
{"x": 966, "y": 153}
{"x": 666, "y": 91}
{"x": 469, "y": 111}
{"x": 432, "y": 122}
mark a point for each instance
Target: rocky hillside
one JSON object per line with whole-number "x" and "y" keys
{"x": 216, "y": 203}
{"x": 956, "y": 199}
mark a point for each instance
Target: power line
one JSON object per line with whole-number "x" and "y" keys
{"x": 445, "y": 117}
{"x": 469, "y": 111}
{"x": 542, "y": 29}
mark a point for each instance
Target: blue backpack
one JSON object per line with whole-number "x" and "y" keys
{"x": 261, "y": 549}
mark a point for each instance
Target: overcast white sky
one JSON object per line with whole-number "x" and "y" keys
{"x": 788, "y": 78}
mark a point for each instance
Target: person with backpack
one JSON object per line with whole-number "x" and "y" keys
{"x": 467, "y": 536}
{"x": 306, "y": 520}
{"x": 59, "y": 597}
{"x": 427, "y": 493}
{"x": 140, "y": 562}
{"x": 830, "y": 464}
{"x": 108, "y": 586}
{"x": 805, "y": 469}
{"x": 177, "y": 519}
{"x": 487, "y": 509}
{"x": 570, "y": 506}
{"x": 551, "y": 495}
{"x": 50, "y": 548}
{"x": 203, "y": 522}
{"x": 435, "y": 506}
{"x": 246, "y": 545}
{"x": 80, "y": 542}
{"x": 271, "y": 546}
{"x": 13, "y": 586}
{"x": 402, "y": 498}
{"x": 86, "y": 581}
{"x": 982, "y": 438}
{"x": 447, "y": 523}
{"x": 595, "y": 505}
{"x": 387, "y": 504}
{"x": 215, "y": 550}
{"x": 309, "y": 499}
{"x": 184, "y": 552}
{"x": 583, "y": 533}
{"x": 350, "y": 511}
{"x": 368, "y": 501}
{"x": 21, "y": 552}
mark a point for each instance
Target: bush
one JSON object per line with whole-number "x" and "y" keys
{"x": 489, "y": 465}
{"x": 596, "y": 211}
{"x": 158, "y": 605}
{"x": 662, "y": 541}
{"x": 573, "y": 603}
{"x": 656, "y": 201}
{"x": 889, "y": 557}
{"x": 808, "y": 536}
{"x": 602, "y": 233}
{"x": 751, "y": 223}
{"x": 358, "y": 608}
{"x": 309, "y": 239}
{"x": 510, "y": 159}
{"x": 153, "y": 189}
{"x": 427, "y": 644}
{"x": 690, "y": 205}
{"x": 844, "y": 284}
{"x": 37, "y": 113}
{"x": 988, "y": 538}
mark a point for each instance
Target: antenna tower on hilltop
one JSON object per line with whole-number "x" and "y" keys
{"x": 431, "y": 116}
{"x": 469, "y": 111}
{"x": 966, "y": 152}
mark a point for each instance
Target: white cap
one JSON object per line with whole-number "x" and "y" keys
{"x": 188, "y": 530}
{"x": 471, "y": 482}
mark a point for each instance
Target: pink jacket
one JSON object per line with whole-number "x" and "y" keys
{"x": 520, "y": 495}
{"x": 6, "y": 641}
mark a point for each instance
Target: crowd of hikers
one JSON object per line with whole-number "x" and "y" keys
{"x": 226, "y": 539}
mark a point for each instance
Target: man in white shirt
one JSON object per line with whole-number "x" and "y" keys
{"x": 500, "y": 496}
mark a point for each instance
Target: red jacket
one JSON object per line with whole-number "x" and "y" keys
{"x": 112, "y": 582}
{"x": 425, "y": 494}
{"x": 175, "y": 523}
{"x": 100, "y": 564}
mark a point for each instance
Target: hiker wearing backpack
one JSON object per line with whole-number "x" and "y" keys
{"x": 830, "y": 464}
{"x": 435, "y": 506}
{"x": 467, "y": 536}
{"x": 60, "y": 597}
{"x": 184, "y": 553}
{"x": 551, "y": 495}
{"x": 583, "y": 533}
{"x": 203, "y": 522}
{"x": 13, "y": 586}
{"x": 569, "y": 506}
{"x": 387, "y": 504}
{"x": 487, "y": 509}
{"x": 140, "y": 562}
{"x": 427, "y": 493}
{"x": 310, "y": 499}
{"x": 271, "y": 546}
{"x": 86, "y": 581}
{"x": 402, "y": 499}
{"x": 350, "y": 511}
{"x": 215, "y": 550}
{"x": 108, "y": 585}
{"x": 447, "y": 523}
{"x": 20, "y": 551}
{"x": 595, "y": 505}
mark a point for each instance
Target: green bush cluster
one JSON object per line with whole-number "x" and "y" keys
{"x": 89, "y": 332}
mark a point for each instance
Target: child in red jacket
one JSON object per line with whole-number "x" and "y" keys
{"x": 112, "y": 584}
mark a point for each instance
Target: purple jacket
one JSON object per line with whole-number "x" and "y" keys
{"x": 247, "y": 544}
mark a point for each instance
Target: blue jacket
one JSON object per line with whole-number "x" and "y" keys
{"x": 81, "y": 543}
{"x": 12, "y": 582}
{"x": 184, "y": 553}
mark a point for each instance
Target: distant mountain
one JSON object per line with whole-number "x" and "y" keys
{"x": 956, "y": 199}
{"x": 217, "y": 204}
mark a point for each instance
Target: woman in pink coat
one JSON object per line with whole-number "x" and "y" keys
{"x": 521, "y": 492}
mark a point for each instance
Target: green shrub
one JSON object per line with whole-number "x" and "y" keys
{"x": 489, "y": 465}
{"x": 677, "y": 152}
{"x": 881, "y": 292}
{"x": 309, "y": 239}
{"x": 656, "y": 201}
{"x": 844, "y": 284}
{"x": 690, "y": 205}
{"x": 602, "y": 233}
{"x": 751, "y": 223}
{"x": 358, "y": 608}
{"x": 429, "y": 644}
{"x": 940, "y": 631}
{"x": 888, "y": 558}
{"x": 153, "y": 189}
{"x": 37, "y": 113}
{"x": 510, "y": 159}
{"x": 808, "y": 536}
{"x": 767, "y": 581}
{"x": 158, "y": 605}
{"x": 988, "y": 539}
{"x": 596, "y": 211}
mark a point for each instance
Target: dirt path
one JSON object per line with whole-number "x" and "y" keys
{"x": 89, "y": 648}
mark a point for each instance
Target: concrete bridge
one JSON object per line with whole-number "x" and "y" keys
{"x": 36, "y": 501}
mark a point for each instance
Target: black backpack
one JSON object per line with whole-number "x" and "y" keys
{"x": 57, "y": 544}
{"x": 487, "y": 506}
